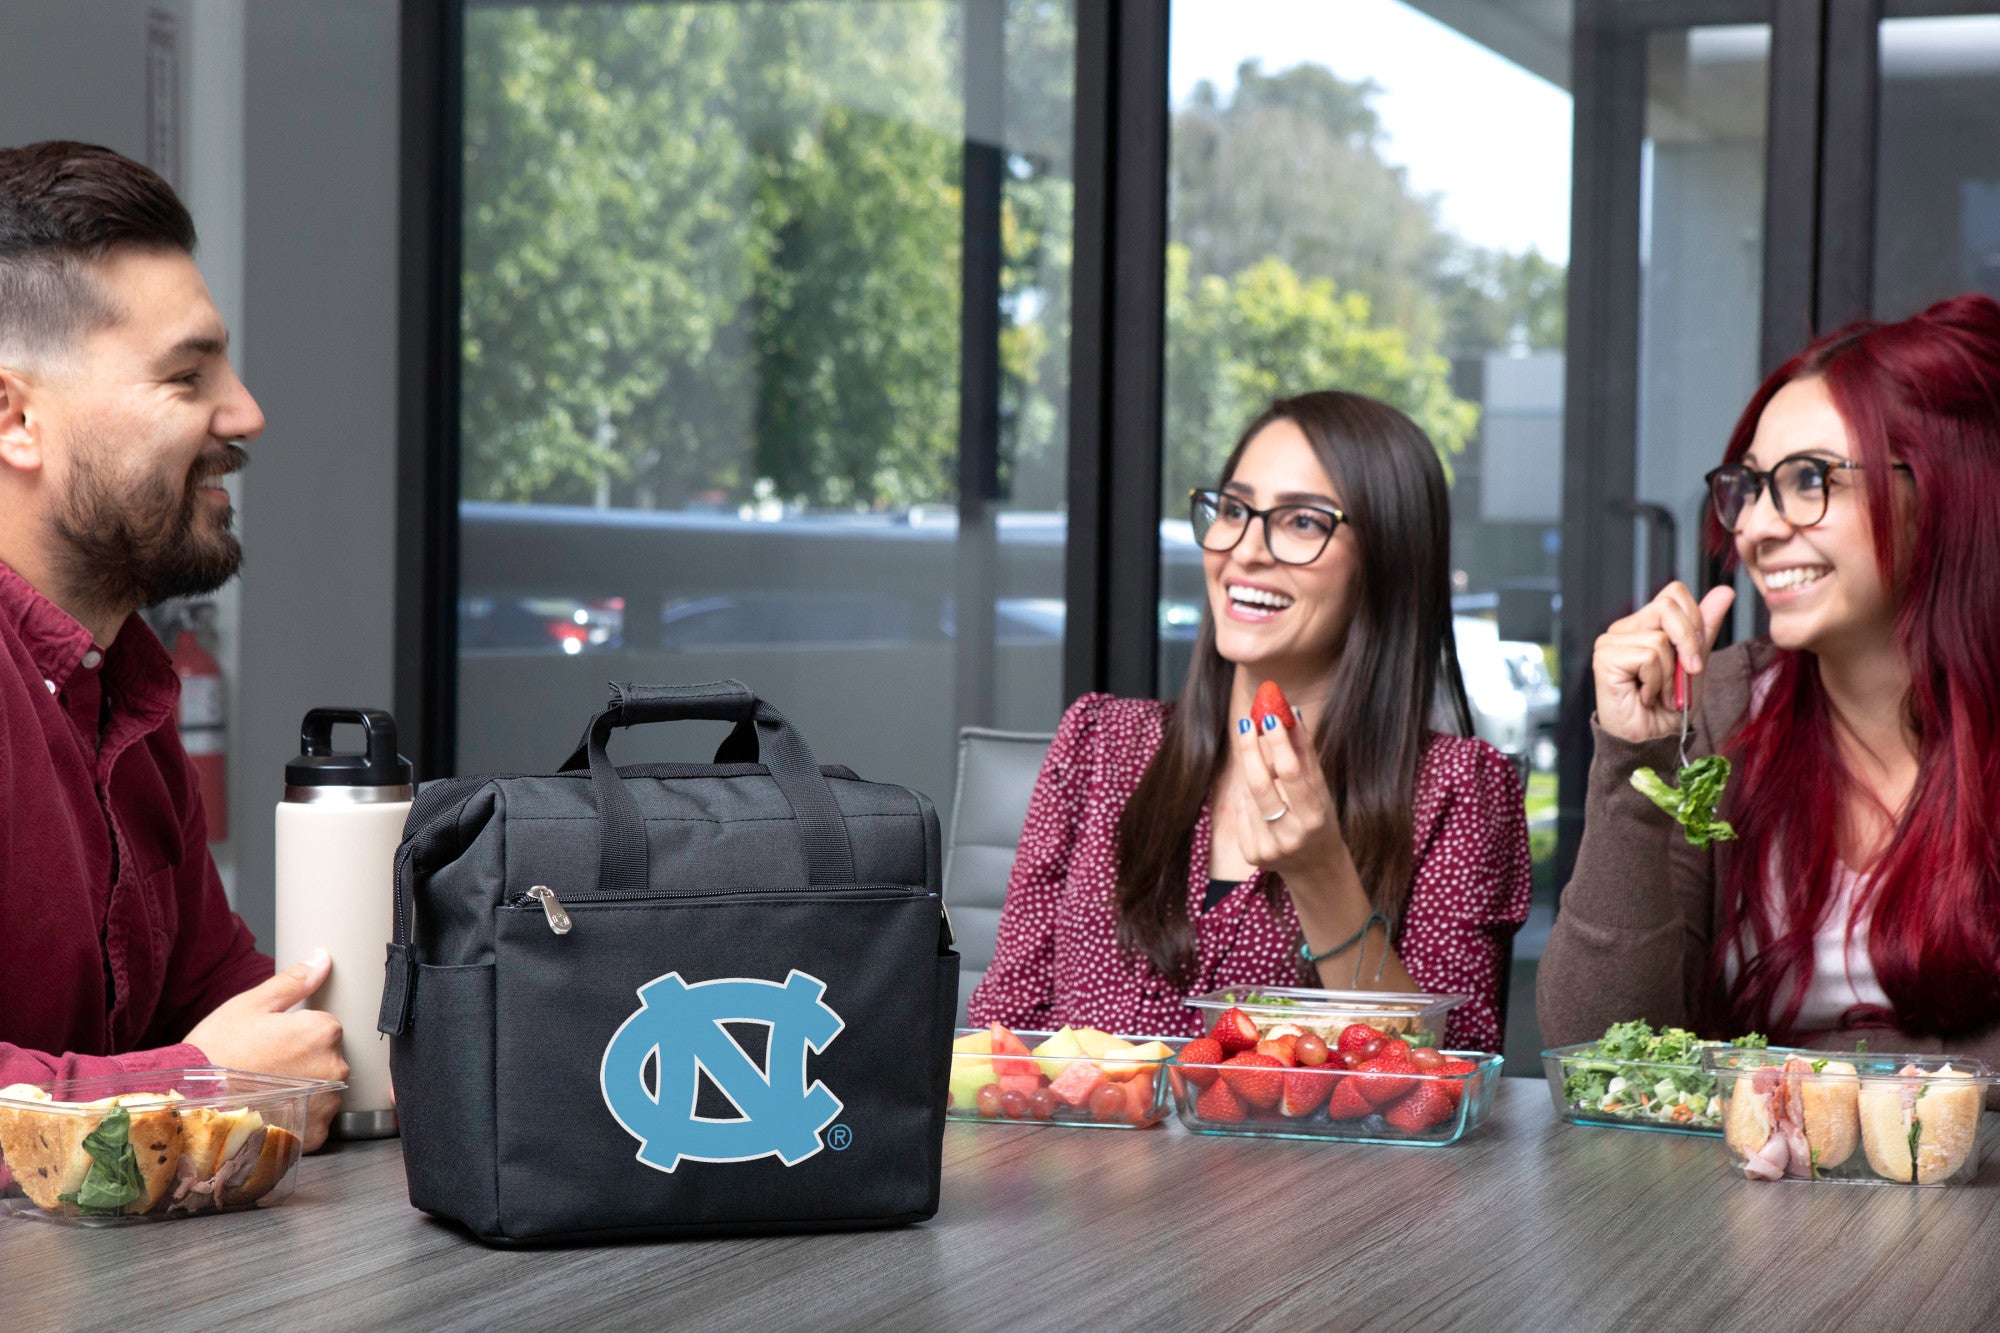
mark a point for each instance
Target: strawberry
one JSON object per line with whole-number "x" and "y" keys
{"x": 1347, "y": 1102}
{"x": 1279, "y": 1049}
{"x": 1354, "y": 1036}
{"x": 1219, "y": 1103}
{"x": 1200, "y": 1051}
{"x": 1398, "y": 1051}
{"x": 1283, "y": 1030}
{"x": 1235, "y": 1031}
{"x": 1385, "y": 1086}
{"x": 1271, "y": 702}
{"x": 1256, "y": 1078}
{"x": 1429, "y": 1105}
{"x": 1451, "y": 1078}
{"x": 1306, "y": 1090}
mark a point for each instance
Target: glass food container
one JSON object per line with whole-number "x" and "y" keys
{"x": 148, "y": 1147}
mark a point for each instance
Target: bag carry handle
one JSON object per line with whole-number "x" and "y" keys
{"x": 624, "y": 863}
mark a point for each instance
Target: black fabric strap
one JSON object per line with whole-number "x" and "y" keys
{"x": 624, "y": 864}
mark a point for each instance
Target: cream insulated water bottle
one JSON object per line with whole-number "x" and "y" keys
{"x": 338, "y": 829}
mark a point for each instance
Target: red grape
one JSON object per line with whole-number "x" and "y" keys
{"x": 1310, "y": 1049}
{"x": 988, "y": 1100}
{"x": 1426, "y": 1058}
{"x": 1373, "y": 1048}
{"x": 1042, "y": 1104}
{"x": 1014, "y": 1102}
{"x": 1108, "y": 1102}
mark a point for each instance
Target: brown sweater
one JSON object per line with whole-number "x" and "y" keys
{"x": 1637, "y": 919}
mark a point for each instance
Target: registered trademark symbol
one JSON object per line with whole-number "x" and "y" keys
{"x": 839, "y": 1137}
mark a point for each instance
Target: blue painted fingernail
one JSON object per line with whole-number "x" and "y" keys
{"x": 1270, "y": 721}
{"x": 1243, "y": 726}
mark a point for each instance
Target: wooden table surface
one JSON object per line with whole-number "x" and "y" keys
{"x": 1528, "y": 1223}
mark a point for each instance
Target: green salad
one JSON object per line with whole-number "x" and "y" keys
{"x": 1635, "y": 1074}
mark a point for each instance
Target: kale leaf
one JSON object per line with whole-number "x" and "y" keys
{"x": 1693, "y": 803}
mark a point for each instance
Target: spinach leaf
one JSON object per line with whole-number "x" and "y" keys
{"x": 113, "y": 1179}
{"x": 1694, "y": 802}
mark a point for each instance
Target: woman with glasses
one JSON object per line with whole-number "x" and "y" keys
{"x": 1861, "y": 494}
{"x": 1176, "y": 849}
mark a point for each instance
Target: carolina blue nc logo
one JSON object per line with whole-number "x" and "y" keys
{"x": 781, "y": 1114}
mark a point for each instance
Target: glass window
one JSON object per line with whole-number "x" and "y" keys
{"x": 1937, "y": 170}
{"x": 1701, "y": 281}
{"x": 712, "y": 342}
{"x": 1365, "y": 197}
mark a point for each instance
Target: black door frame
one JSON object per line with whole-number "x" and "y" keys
{"x": 1819, "y": 227}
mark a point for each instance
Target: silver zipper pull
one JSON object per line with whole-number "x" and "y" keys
{"x": 559, "y": 921}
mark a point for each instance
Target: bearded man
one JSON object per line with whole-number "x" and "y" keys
{"x": 120, "y": 414}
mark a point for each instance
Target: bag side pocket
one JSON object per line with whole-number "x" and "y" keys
{"x": 944, "y": 1020}
{"x": 443, "y": 1071}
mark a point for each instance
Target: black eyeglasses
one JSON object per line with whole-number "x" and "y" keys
{"x": 1800, "y": 485}
{"x": 1293, "y": 534}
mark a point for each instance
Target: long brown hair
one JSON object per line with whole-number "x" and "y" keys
{"x": 1372, "y": 725}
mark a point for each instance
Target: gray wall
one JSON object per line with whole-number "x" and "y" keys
{"x": 318, "y": 526}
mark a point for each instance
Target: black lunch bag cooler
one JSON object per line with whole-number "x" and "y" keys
{"x": 671, "y": 999}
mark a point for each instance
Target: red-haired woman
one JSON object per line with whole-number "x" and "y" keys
{"x": 1861, "y": 491}
{"x": 1173, "y": 850}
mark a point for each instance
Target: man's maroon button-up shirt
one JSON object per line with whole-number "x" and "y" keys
{"x": 115, "y": 935}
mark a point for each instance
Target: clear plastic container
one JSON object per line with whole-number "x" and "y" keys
{"x": 1063, "y": 1085}
{"x": 1406, "y": 1108}
{"x": 1589, "y": 1089}
{"x": 1418, "y": 1019}
{"x": 151, "y": 1146}
{"x": 1852, "y": 1118}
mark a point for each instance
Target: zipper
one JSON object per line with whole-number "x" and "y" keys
{"x": 560, "y": 923}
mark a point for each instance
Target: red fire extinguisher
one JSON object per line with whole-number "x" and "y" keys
{"x": 201, "y": 726}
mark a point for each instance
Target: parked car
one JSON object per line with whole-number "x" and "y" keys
{"x": 1514, "y": 702}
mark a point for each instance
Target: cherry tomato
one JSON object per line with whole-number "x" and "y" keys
{"x": 988, "y": 1100}
{"x": 1310, "y": 1049}
{"x": 1042, "y": 1104}
{"x": 1014, "y": 1103}
{"x": 1108, "y": 1103}
{"x": 1425, "y": 1058}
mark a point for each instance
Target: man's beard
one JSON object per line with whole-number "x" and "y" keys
{"x": 147, "y": 545}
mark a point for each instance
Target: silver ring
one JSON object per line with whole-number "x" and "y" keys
{"x": 1283, "y": 810}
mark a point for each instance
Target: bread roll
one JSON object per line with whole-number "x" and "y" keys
{"x": 1946, "y": 1117}
{"x": 1831, "y": 1101}
{"x": 1747, "y": 1126}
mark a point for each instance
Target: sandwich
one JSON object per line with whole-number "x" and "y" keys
{"x": 121, "y": 1160}
{"x": 1923, "y": 1126}
{"x": 232, "y": 1158}
{"x": 1795, "y": 1119}
{"x": 139, "y": 1153}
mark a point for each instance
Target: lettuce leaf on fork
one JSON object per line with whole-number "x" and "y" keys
{"x": 1693, "y": 803}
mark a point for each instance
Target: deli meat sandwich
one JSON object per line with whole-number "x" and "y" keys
{"x": 140, "y": 1153}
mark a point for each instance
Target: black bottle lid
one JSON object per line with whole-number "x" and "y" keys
{"x": 317, "y": 765}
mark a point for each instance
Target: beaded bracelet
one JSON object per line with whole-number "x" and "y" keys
{"x": 1311, "y": 959}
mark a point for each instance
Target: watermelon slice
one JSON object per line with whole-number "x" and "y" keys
{"x": 1078, "y": 1081}
{"x": 1006, "y": 1043}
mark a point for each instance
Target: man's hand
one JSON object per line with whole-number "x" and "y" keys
{"x": 256, "y": 1032}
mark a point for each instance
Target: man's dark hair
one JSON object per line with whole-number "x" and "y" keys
{"x": 63, "y": 207}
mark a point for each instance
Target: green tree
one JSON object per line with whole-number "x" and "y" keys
{"x": 599, "y": 308}
{"x": 713, "y": 244}
{"x": 1235, "y": 344}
